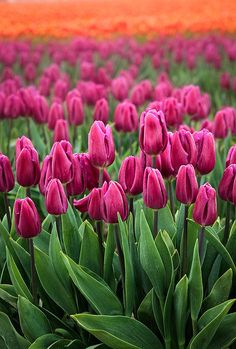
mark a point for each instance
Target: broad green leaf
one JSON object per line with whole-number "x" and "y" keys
{"x": 119, "y": 332}
{"x": 8, "y": 294}
{"x": 195, "y": 285}
{"x": 33, "y": 322}
{"x": 225, "y": 334}
{"x": 129, "y": 273}
{"x": 98, "y": 294}
{"x": 150, "y": 258}
{"x": 166, "y": 221}
{"x": 209, "y": 323}
{"x": 110, "y": 246}
{"x": 220, "y": 291}
{"x": 66, "y": 343}
{"x": 51, "y": 284}
{"x": 44, "y": 341}
{"x": 145, "y": 311}
{"x": 179, "y": 225}
{"x": 181, "y": 309}
{"x": 11, "y": 338}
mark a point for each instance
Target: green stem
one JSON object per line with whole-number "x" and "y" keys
{"x": 28, "y": 192}
{"x": 75, "y": 134}
{"x": 121, "y": 258}
{"x": 172, "y": 199}
{"x": 33, "y": 271}
{"x": 155, "y": 223}
{"x": 185, "y": 243}
{"x": 59, "y": 230}
{"x": 154, "y": 161}
{"x": 201, "y": 242}
{"x": 100, "y": 180}
{"x": 28, "y": 127}
{"x": 9, "y": 136}
{"x": 6, "y": 204}
{"x": 100, "y": 243}
{"x": 227, "y": 223}
{"x": 194, "y": 327}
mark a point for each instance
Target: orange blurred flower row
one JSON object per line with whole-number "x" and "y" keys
{"x": 103, "y": 18}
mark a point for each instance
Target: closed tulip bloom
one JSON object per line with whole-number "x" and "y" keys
{"x": 205, "y": 207}
{"x": 184, "y": 150}
{"x": 231, "y": 157}
{"x": 56, "y": 112}
{"x": 154, "y": 191}
{"x": 40, "y": 109}
{"x": 220, "y": 125}
{"x": 114, "y": 202}
{"x": 92, "y": 173}
{"x": 101, "y": 110}
{"x": 166, "y": 167}
{"x": 203, "y": 108}
{"x": 27, "y": 220}
{"x": 131, "y": 176}
{"x": 91, "y": 204}
{"x": 46, "y": 174}
{"x": 7, "y": 180}
{"x": 120, "y": 88}
{"x": 147, "y": 161}
{"x": 13, "y": 106}
{"x": 206, "y": 153}
{"x": 61, "y": 131}
{"x": 190, "y": 98}
{"x": 186, "y": 185}
{"x": 153, "y": 136}
{"x": 225, "y": 82}
{"x": 22, "y": 143}
{"x": 173, "y": 111}
{"x": 27, "y": 167}
{"x": 137, "y": 95}
{"x": 62, "y": 161}
{"x": 55, "y": 198}
{"x": 126, "y": 117}
{"x": 78, "y": 184}
{"x": 231, "y": 119}
{"x": 101, "y": 146}
{"x": 207, "y": 124}
{"x": 227, "y": 186}
{"x": 75, "y": 111}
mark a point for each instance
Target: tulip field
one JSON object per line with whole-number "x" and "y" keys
{"x": 118, "y": 192}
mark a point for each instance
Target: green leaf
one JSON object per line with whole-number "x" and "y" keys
{"x": 33, "y": 322}
{"x": 150, "y": 258}
{"x": 119, "y": 332}
{"x": 110, "y": 246}
{"x": 145, "y": 311}
{"x": 213, "y": 240}
{"x": 51, "y": 284}
{"x": 98, "y": 294}
{"x": 89, "y": 253}
{"x": 166, "y": 221}
{"x": 195, "y": 284}
{"x": 66, "y": 343}
{"x": 8, "y": 294}
{"x": 70, "y": 232}
{"x": 220, "y": 291}
{"x": 179, "y": 225}
{"x": 209, "y": 323}
{"x": 181, "y": 309}
{"x": 44, "y": 341}
{"x": 225, "y": 334}
{"x": 11, "y": 338}
{"x": 129, "y": 273}
{"x": 16, "y": 278}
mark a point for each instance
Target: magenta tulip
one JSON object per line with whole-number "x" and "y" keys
{"x": 131, "y": 176}
{"x": 27, "y": 220}
{"x": 206, "y": 153}
{"x": 205, "y": 207}
{"x": 186, "y": 185}
{"x": 154, "y": 191}
{"x": 55, "y": 198}
{"x": 62, "y": 161}
{"x": 7, "y": 181}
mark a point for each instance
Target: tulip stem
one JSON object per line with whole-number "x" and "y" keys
{"x": 75, "y": 134}
{"x": 153, "y": 161}
{"x": 227, "y": 223}
{"x": 100, "y": 243}
{"x": 121, "y": 258}
{"x": 185, "y": 243}
{"x": 201, "y": 242}
{"x": 155, "y": 224}
{"x": 33, "y": 271}
{"x": 58, "y": 225}
{"x": 28, "y": 127}
{"x": 131, "y": 209}
{"x": 100, "y": 180}
{"x": 172, "y": 200}
{"x": 6, "y": 204}
{"x": 28, "y": 192}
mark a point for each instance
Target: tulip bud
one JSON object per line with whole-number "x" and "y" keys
{"x": 206, "y": 153}
{"x": 183, "y": 149}
{"x": 225, "y": 81}
{"x": 13, "y": 106}
{"x": 7, "y": 180}
{"x": 62, "y": 161}
{"x": 101, "y": 146}
{"x": 27, "y": 166}
{"x": 55, "y": 198}
{"x": 56, "y": 112}
{"x": 75, "y": 111}
{"x": 27, "y": 220}
{"x": 61, "y": 131}
{"x": 186, "y": 185}
{"x": 207, "y": 124}
{"x": 126, "y": 117}
{"x": 91, "y": 173}
{"x": 120, "y": 88}
{"x": 166, "y": 167}
{"x": 231, "y": 157}
{"x": 78, "y": 184}
{"x": 190, "y": 98}
{"x": 227, "y": 186}
{"x": 91, "y": 204}
{"x": 137, "y": 95}
{"x": 114, "y": 201}
{"x": 147, "y": 160}
{"x": 220, "y": 125}
{"x": 46, "y": 174}
{"x": 173, "y": 111}
{"x": 41, "y": 109}
{"x": 131, "y": 176}
{"x": 154, "y": 191}
{"x": 153, "y": 136}
{"x": 22, "y": 143}
{"x": 101, "y": 110}
{"x": 205, "y": 207}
